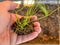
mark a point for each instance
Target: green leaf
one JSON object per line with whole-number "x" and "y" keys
{"x": 43, "y": 8}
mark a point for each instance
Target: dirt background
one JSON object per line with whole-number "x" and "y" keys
{"x": 50, "y": 28}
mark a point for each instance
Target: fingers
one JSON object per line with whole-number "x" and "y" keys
{"x": 13, "y": 17}
{"x": 37, "y": 27}
{"x": 33, "y": 18}
{"x": 13, "y": 6}
{"x": 25, "y": 38}
{"x": 9, "y": 5}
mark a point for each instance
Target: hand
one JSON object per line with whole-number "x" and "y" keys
{"x": 11, "y": 38}
{"x": 4, "y": 14}
{"x": 24, "y": 38}
{"x": 5, "y": 17}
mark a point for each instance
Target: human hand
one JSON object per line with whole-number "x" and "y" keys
{"x": 10, "y": 36}
{"x": 24, "y": 38}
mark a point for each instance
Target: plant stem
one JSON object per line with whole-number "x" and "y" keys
{"x": 46, "y": 16}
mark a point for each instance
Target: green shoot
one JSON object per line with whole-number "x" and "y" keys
{"x": 46, "y": 16}
{"x": 30, "y": 11}
{"x": 26, "y": 19}
{"x": 43, "y": 8}
{"x": 21, "y": 24}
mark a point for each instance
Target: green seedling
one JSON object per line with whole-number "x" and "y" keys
{"x": 25, "y": 22}
{"x": 43, "y": 8}
{"x": 26, "y": 19}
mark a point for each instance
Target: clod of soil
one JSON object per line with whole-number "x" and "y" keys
{"x": 27, "y": 29}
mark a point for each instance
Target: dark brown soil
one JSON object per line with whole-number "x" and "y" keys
{"x": 27, "y": 29}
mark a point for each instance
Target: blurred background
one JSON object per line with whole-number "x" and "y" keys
{"x": 49, "y": 25}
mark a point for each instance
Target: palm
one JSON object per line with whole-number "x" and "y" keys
{"x": 23, "y": 38}
{"x": 8, "y": 36}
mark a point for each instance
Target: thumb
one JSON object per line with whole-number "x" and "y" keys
{"x": 9, "y": 5}
{"x": 13, "y": 18}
